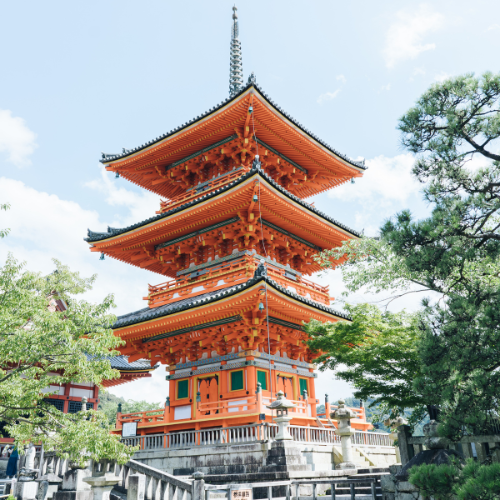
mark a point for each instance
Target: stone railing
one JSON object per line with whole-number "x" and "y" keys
{"x": 153, "y": 482}
{"x": 251, "y": 434}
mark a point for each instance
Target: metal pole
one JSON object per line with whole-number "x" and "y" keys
{"x": 374, "y": 491}
{"x": 353, "y": 492}
{"x": 333, "y": 491}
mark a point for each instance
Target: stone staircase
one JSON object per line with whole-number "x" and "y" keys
{"x": 363, "y": 491}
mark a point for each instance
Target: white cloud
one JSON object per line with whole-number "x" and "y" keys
{"x": 404, "y": 39}
{"x": 328, "y": 96}
{"x": 386, "y": 180}
{"x": 16, "y": 139}
{"x": 44, "y": 226}
{"x": 342, "y": 78}
{"x": 418, "y": 71}
{"x": 441, "y": 77}
{"x": 493, "y": 27}
{"x": 386, "y": 87}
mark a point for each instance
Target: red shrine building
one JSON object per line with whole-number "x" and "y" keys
{"x": 233, "y": 242}
{"x": 68, "y": 397}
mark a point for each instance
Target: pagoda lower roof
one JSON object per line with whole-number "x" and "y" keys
{"x": 147, "y": 314}
{"x": 270, "y": 125}
{"x": 93, "y": 236}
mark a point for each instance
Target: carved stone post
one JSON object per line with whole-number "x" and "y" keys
{"x": 393, "y": 436}
{"x": 136, "y": 487}
{"x": 344, "y": 415}
{"x": 405, "y": 449}
{"x": 102, "y": 481}
{"x": 198, "y": 486}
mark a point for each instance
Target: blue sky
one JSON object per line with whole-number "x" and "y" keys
{"x": 81, "y": 78}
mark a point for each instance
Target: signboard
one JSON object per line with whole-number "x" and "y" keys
{"x": 129, "y": 429}
{"x": 245, "y": 494}
{"x": 217, "y": 495}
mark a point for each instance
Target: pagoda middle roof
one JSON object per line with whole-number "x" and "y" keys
{"x": 93, "y": 236}
{"x": 147, "y": 314}
{"x": 273, "y": 126}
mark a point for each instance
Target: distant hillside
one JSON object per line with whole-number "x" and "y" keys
{"x": 109, "y": 405}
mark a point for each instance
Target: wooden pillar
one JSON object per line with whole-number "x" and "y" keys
{"x": 251, "y": 370}
{"x": 312, "y": 395}
{"x": 67, "y": 388}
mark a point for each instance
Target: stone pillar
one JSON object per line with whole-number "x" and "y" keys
{"x": 26, "y": 488}
{"x": 343, "y": 415}
{"x": 198, "y": 486}
{"x": 53, "y": 483}
{"x": 102, "y": 481}
{"x": 405, "y": 449}
{"x": 136, "y": 487}
{"x": 393, "y": 436}
{"x": 73, "y": 486}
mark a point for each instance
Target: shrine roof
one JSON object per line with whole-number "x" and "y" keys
{"x": 95, "y": 236}
{"x": 107, "y": 158}
{"x": 147, "y": 314}
{"x": 120, "y": 363}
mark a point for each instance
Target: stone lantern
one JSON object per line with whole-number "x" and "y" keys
{"x": 282, "y": 405}
{"x": 343, "y": 415}
{"x": 394, "y": 424}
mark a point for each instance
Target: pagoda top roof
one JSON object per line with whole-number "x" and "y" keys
{"x": 108, "y": 158}
{"x": 112, "y": 232}
{"x": 274, "y": 128}
{"x": 148, "y": 314}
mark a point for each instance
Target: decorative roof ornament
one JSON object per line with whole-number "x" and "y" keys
{"x": 252, "y": 79}
{"x": 236, "y": 63}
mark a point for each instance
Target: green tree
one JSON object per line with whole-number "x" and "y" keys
{"x": 41, "y": 347}
{"x": 377, "y": 354}
{"x": 454, "y": 131}
{"x": 108, "y": 403}
{"x": 472, "y": 481}
{"x": 4, "y": 232}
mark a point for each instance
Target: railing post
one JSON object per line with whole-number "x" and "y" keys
{"x": 198, "y": 491}
{"x": 136, "y": 486}
{"x": 405, "y": 450}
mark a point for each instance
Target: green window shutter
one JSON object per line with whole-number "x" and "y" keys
{"x": 303, "y": 386}
{"x": 262, "y": 378}
{"x": 182, "y": 389}
{"x": 237, "y": 380}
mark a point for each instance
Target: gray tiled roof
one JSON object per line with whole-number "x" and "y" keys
{"x": 127, "y": 152}
{"x": 93, "y": 236}
{"x": 121, "y": 363}
{"x": 147, "y": 314}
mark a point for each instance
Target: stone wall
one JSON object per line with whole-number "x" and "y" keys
{"x": 247, "y": 458}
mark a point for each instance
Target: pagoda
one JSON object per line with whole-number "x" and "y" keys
{"x": 234, "y": 241}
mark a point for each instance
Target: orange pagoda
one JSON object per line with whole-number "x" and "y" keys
{"x": 234, "y": 240}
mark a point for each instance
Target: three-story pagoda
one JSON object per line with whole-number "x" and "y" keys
{"x": 235, "y": 242}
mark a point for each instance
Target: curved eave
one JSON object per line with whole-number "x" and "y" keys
{"x": 224, "y": 294}
{"x": 118, "y": 233}
{"x": 138, "y": 155}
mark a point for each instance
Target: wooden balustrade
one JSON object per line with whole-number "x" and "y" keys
{"x": 229, "y": 274}
{"x": 201, "y": 190}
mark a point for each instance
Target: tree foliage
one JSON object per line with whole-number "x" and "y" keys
{"x": 41, "y": 347}
{"x": 472, "y": 481}
{"x": 454, "y": 131}
{"x": 377, "y": 354}
{"x": 108, "y": 403}
{"x": 4, "y": 232}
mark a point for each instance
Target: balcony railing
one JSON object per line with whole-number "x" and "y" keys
{"x": 229, "y": 274}
{"x": 251, "y": 434}
{"x": 201, "y": 189}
